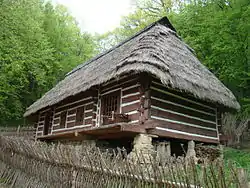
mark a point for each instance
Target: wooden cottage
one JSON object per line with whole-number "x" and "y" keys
{"x": 150, "y": 84}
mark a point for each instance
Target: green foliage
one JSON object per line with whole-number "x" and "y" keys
{"x": 241, "y": 158}
{"x": 219, "y": 33}
{"x": 39, "y": 43}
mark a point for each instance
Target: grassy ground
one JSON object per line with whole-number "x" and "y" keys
{"x": 240, "y": 157}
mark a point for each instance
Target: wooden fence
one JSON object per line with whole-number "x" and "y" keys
{"x": 24, "y": 131}
{"x": 26, "y": 163}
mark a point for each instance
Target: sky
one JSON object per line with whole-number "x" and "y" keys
{"x": 97, "y": 16}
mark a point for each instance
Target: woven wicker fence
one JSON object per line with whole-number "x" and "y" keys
{"x": 25, "y": 163}
{"x": 24, "y": 131}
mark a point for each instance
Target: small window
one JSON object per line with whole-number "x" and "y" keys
{"x": 63, "y": 119}
{"x": 111, "y": 103}
{"x": 79, "y": 115}
{"x": 47, "y": 123}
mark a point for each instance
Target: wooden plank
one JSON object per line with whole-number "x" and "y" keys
{"x": 71, "y": 118}
{"x": 133, "y": 117}
{"x": 157, "y": 83}
{"x": 77, "y": 98}
{"x": 130, "y": 103}
{"x": 131, "y": 86}
{"x": 182, "y": 109}
{"x": 87, "y": 114}
{"x": 188, "y": 129}
{"x": 75, "y": 102}
{"x": 73, "y": 111}
{"x": 89, "y": 106}
{"x": 181, "y": 105}
{"x": 75, "y": 105}
{"x": 129, "y": 79}
{"x": 183, "y": 100}
{"x": 71, "y": 124}
{"x": 131, "y": 94}
{"x": 168, "y": 134}
{"x": 122, "y": 86}
{"x": 131, "y": 98}
{"x": 130, "y": 91}
{"x": 71, "y": 129}
{"x": 155, "y": 111}
{"x": 88, "y": 121}
{"x": 57, "y": 115}
{"x": 130, "y": 108}
{"x": 40, "y": 128}
{"x": 56, "y": 121}
{"x": 182, "y": 123}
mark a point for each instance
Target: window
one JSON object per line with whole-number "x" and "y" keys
{"x": 47, "y": 123}
{"x": 79, "y": 115}
{"x": 111, "y": 103}
{"x": 63, "y": 119}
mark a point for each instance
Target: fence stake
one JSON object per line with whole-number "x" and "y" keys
{"x": 242, "y": 176}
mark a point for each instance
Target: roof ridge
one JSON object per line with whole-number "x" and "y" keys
{"x": 163, "y": 21}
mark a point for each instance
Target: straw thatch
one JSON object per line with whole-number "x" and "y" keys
{"x": 157, "y": 50}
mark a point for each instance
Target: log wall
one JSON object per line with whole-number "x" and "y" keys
{"x": 87, "y": 103}
{"x": 181, "y": 116}
{"x": 90, "y": 101}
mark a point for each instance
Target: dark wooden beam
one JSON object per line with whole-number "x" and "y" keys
{"x": 167, "y": 134}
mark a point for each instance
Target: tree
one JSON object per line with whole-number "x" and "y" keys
{"x": 70, "y": 44}
{"x": 24, "y": 52}
{"x": 39, "y": 44}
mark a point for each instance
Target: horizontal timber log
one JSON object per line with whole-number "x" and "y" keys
{"x": 39, "y": 128}
{"x": 133, "y": 117}
{"x": 131, "y": 98}
{"x": 88, "y": 121}
{"x": 124, "y": 80}
{"x": 56, "y": 121}
{"x": 71, "y": 124}
{"x": 75, "y": 105}
{"x": 187, "y": 129}
{"x": 129, "y": 91}
{"x": 172, "y": 116}
{"x": 158, "y": 84}
{"x": 89, "y": 106}
{"x": 87, "y": 114}
{"x": 181, "y": 109}
{"x": 73, "y": 111}
{"x": 168, "y": 134}
{"x": 159, "y": 93}
{"x": 130, "y": 108}
{"x": 127, "y": 84}
{"x": 57, "y": 115}
{"x": 71, "y": 118}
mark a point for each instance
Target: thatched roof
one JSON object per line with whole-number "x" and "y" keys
{"x": 157, "y": 50}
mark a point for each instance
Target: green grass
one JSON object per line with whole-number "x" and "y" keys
{"x": 240, "y": 157}
{"x": 2, "y": 180}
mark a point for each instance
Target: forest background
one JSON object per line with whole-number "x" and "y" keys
{"x": 41, "y": 42}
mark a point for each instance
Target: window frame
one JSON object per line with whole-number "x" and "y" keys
{"x": 116, "y": 93}
{"x": 47, "y": 127}
{"x": 64, "y": 115}
{"x": 81, "y": 122}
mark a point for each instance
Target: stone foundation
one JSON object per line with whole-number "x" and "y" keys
{"x": 142, "y": 149}
{"x": 191, "y": 150}
{"x": 191, "y": 154}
